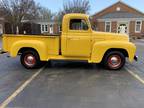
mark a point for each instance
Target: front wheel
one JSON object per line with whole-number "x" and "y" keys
{"x": 30, "y": 59}
{"x": 114, "y": 60}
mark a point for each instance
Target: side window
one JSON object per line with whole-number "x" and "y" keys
{"x": 107, "y": 26}
{"x": 78, "y": 24}
{"x": 138, "y": 26}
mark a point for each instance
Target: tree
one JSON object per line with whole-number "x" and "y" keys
{"x": 14, "y": 11}
{"x": 76, "y": 6}
{"x": 45, "y": 13}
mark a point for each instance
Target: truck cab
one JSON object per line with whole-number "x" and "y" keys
{"x": 77, "y": 42}
{"x": 76, "y": 37}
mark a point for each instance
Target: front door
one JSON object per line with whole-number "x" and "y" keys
{"x": 123, "y": 28}
{"x": 78, "y": 42}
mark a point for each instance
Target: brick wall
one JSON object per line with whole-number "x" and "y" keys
{"x": 132, "y": 29}
{"x": 114, "y": 27}
{"x": 123, "y": 7}
{"x": 100, "y": 26}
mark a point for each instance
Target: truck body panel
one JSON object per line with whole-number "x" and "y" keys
{"x": 100, "y": 48}
{"x": 44, "y": 45}
{"x": 74, "y": 43}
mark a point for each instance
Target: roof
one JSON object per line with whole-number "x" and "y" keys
{"x": 121, "y": 14}
{"x": 117, "y": 3}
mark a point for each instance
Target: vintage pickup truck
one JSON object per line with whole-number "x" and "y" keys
{"x": 77, "y": 42}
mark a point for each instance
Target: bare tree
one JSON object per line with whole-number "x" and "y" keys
{"x": 45, "y": 13}
{"x": 76, "y": 6}
{"x": 14, "y": 11}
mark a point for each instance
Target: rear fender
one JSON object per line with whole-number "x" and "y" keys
{"x": 39, "y": 46}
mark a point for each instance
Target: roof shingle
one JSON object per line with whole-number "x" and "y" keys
{"x": 120, "y": 14}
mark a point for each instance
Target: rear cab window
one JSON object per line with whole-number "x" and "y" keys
{"x": 78, "y": 24}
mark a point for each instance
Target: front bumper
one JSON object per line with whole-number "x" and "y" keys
{"x": 136, "y": 58}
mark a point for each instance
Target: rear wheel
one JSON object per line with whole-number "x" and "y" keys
{"x": 30, "y": 59}
{"x": 114, "y": 60}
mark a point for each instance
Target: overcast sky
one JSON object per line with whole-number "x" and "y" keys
{"x": 96, "y": 5}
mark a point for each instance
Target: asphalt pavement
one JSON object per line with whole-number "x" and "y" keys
{"x": 71, "y": 85}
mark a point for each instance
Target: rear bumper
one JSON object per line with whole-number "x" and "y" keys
{"x": 136, "y": 58}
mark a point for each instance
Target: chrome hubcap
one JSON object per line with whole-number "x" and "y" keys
{"x": 114, "y": 61}
{"x": 30, "y": 60}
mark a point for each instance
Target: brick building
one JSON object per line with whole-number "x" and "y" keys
{"x": 120, "y": 18}
{"x": 50, "y": 27}
{"x": 40, "y": 26}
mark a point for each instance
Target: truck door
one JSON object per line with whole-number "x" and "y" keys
{"x": 78, "y": 39}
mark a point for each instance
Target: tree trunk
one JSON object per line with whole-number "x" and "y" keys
{"x": 17, "y": 29}
{"x": 12, "y": 27}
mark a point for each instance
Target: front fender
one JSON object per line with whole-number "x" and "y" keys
{"x": 100, "y": 48}
{"x": 39, "y": 46}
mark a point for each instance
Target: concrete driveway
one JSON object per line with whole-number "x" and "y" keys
{"x": 71, "y": 85}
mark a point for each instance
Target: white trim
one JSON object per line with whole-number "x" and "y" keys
{"x": 120, "y": 19}
{"x": 124, "y": 22}
{"x": 59, "y": 28}
{"x": 106, "y": 25}
{"x": 43, "y": 28}
{"x": 140, "y": 26}
{"x": 51, "y": 29}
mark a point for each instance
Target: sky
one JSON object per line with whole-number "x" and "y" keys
{"x": 96, "y": 5}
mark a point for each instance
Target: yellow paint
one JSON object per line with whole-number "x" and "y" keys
{"x": 73, "y": 44}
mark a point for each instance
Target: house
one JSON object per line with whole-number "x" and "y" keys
{"x": 120, "y": 18}
{"x": 40, "y": 26}
{"x": 50, "y": 27}
{"x": 1, "y": 25}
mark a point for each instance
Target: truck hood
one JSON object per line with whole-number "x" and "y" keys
{"x": 103, "y": 36}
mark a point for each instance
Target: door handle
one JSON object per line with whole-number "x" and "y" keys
{"x": 73, "y": 38}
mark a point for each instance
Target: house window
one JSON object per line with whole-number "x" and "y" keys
{"x": 46, "y": 28}
{"x": 42, "y": 28}
{"x": 51, "y": 29}
{"x": 108, "y": 26}
{"x": 138, "y": 25}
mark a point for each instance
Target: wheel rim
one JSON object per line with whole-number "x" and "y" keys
{"x": 29, "y": 60}
{"x": 114, "y": 61}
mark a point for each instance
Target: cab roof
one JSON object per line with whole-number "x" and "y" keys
{"x": 76, "y": 15}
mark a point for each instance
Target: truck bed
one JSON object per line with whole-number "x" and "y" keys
{"x": 51, "y": 42}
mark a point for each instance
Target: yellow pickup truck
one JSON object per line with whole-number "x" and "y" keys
{"x": 77, "y": 42}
